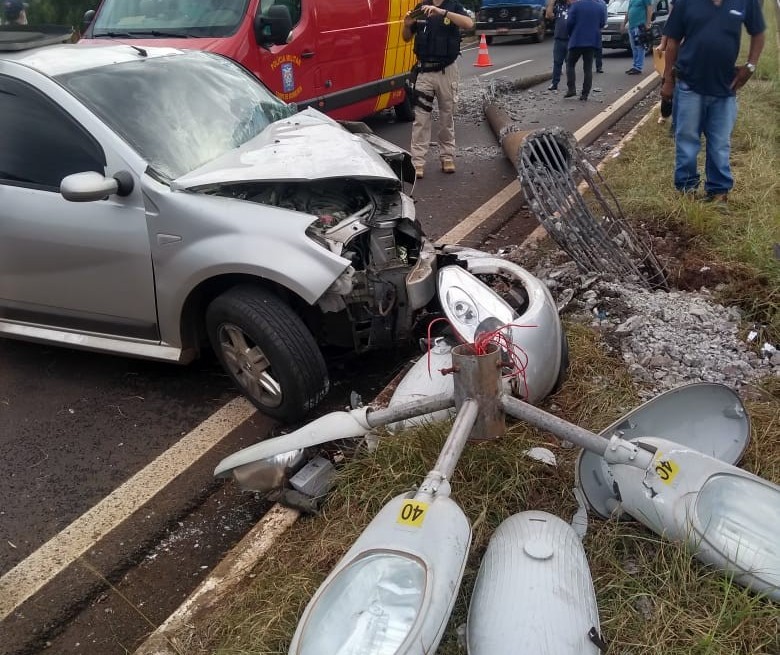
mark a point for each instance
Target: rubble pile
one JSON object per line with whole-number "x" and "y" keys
{"x": 665, "y": 338}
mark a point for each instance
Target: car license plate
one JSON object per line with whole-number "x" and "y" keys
{"x": 606, "y": 37}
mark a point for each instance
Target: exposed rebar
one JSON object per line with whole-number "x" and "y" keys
{"x": 570, "y": 198}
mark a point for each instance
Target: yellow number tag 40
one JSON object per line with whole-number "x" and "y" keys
{"x": 412, "y": 513}
{"x": 666, "y": 469}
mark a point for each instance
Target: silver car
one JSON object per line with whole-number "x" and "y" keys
{"x": 154, "y": 200}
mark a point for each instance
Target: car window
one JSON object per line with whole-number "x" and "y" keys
{"x": 174, "y": 18}
{"x": 40, "y": 143}
{"x": 617, "y": 7}
{"x": 293, "y": 5}
{"x": 180, "y": 111}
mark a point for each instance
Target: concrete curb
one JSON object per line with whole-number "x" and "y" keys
{"x": 221, "y": 581}
{"x": 238, "y": 563}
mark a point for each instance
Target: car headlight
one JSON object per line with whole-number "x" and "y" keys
{"x": 369, "y": 608}
{"x": 467, "y": 302}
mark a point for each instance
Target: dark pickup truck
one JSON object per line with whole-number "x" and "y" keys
{"x": 508, "y": 18}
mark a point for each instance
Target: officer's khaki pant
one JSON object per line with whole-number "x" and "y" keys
{"x": 444, "y": 86}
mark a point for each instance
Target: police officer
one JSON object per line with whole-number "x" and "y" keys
{"x": 435, "y": 25}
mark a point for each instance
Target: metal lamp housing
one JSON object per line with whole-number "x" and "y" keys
{"x": 534, "y": 592}
{"x": 729, "y": 518}
{"x": 394, "y": 589}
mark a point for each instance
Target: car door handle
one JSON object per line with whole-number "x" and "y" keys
{"x": 307, "y": 54}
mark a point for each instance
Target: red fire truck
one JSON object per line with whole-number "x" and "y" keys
{"x": 344, "y": 57}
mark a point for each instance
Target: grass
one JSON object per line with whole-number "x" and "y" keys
{"x": 654, "y": 598}
{"x": 741, "y": 241}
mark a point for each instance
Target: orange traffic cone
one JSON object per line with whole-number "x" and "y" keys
{"x": 483, "y": 58}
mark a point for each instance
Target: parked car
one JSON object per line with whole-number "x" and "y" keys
{"x": 156, "y": 200}
{"x": 613, "y": 37}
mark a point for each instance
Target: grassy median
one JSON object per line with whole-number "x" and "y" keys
{"x": 654, "y": 598}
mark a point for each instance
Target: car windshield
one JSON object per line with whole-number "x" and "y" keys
{"x": 617, "y": 7}
{"x": 180, "y": 111}
{"x": 169, "y": 18}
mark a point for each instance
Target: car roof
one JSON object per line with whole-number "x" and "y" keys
{"x": 69, "y": 58}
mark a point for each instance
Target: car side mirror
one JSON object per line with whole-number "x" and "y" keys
{"x": 91, "y": 186}
{"x": 89, "y": 15}
{"x": 275, "y": 27}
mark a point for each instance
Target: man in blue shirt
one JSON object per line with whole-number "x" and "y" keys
{"x": 584, "y": 22}
{"x": 638, "y": 18}
{"x": 703, "y": 38}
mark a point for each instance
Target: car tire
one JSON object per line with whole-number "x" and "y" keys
{"x": 404, "y": 112}
{"x": 268, "y": 352}
{"x": 563, "y": 369}
{"x": 488, "y": 39}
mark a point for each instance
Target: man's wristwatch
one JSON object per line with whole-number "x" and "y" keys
{"x": 750, "y": 67}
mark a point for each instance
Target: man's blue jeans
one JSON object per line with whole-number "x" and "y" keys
{"x": 637, "y": 50}
{"x": 714, "y": 117}
{"x": 560, "y": 47}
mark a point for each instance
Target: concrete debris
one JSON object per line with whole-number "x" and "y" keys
{"x": 666, "y": 339}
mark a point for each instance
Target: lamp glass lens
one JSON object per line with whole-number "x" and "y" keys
{"x": 368, "y": 609}
{"x": 740, "y": 518}
{"x": 462, "y": 306}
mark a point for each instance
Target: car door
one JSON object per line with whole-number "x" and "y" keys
{"x": 79, "y": 267}
{"x": 292, "y": 70}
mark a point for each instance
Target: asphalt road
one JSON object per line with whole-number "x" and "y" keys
{"x": 74, "y": 426}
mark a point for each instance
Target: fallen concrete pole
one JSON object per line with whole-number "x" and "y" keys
{"x": 503, "y": 126}
{"x": 509, "y": 133}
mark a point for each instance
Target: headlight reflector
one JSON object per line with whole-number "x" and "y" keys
{"x": 368, "y": 609}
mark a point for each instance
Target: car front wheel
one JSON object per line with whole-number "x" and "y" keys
{"x": 268, "y": 352}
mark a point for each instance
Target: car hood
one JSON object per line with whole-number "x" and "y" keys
{"x": 306, "y": 146}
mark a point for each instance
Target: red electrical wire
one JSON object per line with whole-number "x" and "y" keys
{"x": 518, "y": 358}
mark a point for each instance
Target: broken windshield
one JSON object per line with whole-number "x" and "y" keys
{"x": 169, "y": 18}
{"x": 179, "y": 111}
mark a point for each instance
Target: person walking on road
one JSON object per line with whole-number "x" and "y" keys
{"x": 435, "y": 26}
{"x": 637, "y": 19}
{"x": 584, "y": 22}
{"x": 700, "y": 72}
{"x": 557, "y": 10}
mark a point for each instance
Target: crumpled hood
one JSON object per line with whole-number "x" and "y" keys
{"x": 306, "y": 146}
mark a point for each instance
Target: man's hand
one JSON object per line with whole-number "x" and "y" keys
{"x": 741, "y": 78}
{"x": 432, "y": 10}
{"x": 548, "y": 14}
{"x": 667, "y": 88}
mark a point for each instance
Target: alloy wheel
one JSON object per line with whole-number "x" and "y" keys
{"x": 249, "y": 365}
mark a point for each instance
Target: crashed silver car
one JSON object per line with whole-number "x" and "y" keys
{"x": 156, "y": 201}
